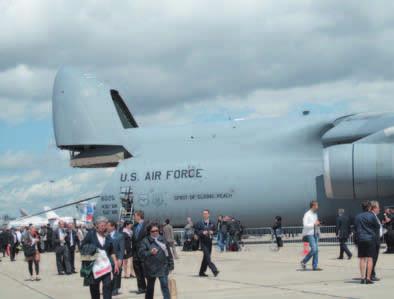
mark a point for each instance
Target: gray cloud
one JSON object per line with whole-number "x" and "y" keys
{"x": 184, "y": 52}
{"x": 180, "y": 61}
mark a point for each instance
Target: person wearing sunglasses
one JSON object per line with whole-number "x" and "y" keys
{"x": 158, "y": 261}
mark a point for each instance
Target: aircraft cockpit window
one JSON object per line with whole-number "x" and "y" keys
{"x": 124, "y": 113}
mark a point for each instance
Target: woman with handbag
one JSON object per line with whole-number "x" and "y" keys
{"x": 30, "y": 244}
{"x": 158, "y": 261}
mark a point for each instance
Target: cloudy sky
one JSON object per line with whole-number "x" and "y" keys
{"x": 180, "y": 62}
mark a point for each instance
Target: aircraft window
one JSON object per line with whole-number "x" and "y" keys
{"x": 124, "y": 113}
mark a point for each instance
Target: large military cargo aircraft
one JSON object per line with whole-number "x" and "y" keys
{"x": 251, "y": 169}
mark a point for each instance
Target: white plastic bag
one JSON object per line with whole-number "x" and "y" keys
{"x": 101, "y": 265}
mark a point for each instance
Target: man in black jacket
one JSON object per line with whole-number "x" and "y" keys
{"x": 205, "y": 229}
{"x": 13, "y": 241}
{"x": 343, "y": 231}
{"x": 71, "y": 241}
{"x": 61, "y": 249}
{"x": 375, "y": 210}
{"x": 139, "y": 233}
{"x": 119, "y": 250}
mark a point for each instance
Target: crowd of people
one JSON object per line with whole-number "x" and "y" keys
{"x": 368, "y": 229}
{"x": 112, "y": 251}
{"x": 228, "y": 235}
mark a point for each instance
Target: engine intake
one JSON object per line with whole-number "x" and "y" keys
{"x": 359, "y": 171}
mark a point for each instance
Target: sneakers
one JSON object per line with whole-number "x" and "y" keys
{"x": 317, "y": 269}
{"x": 203, "y": 275}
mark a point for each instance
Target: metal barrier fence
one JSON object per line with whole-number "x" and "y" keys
{"x": 291, "y": 234}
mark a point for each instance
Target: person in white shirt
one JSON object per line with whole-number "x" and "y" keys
{"x": 310, "y": 233}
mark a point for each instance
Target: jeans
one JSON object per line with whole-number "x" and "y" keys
{"x": 314, "y": 252}
{"x": 221, "y": 241}
{"x": 151, "y": 287}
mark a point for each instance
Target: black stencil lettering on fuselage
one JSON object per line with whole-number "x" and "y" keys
{"x": 153, "y": 176}
{"x": 203, "y": 196}
{"x": 156, "y": 175}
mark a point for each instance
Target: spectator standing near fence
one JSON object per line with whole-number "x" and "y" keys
{"x": 310, "y": 233}
{"x": 168, "y": 232}
{"x": 343, "y": 231}
{"x": 278, "y": 231}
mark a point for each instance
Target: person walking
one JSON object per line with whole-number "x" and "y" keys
{"x": 205, "y": 229}
{"x": 366, "y": 229}
{"x": 100, "y": 239}
{"x": 168, "y": 232}
{"x": 278, "y": 231}
{"x": 139, "y": 233}
{"x": 31, "y": 242}
{"x": 119, "y": 249}
{"x": 343, "y": 231}
{"x": 13, "y": 241}
{"x": 157, "y": 260}
{"x": 310, "y": 233}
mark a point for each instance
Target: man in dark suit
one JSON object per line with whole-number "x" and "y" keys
{"x": 205, "y": 229}
{"x": 343, "y": 231}
{"x": 49, "y": 241}
{"x": 4, "y": 240}
{"x": 375, "y": 210}
{"x": 71, "y": 242}
{"x": 139, "y": 233}
{"x": 119, "y": 250}
{"x": 61, "y": 250}
{"x": 13, "y": 241}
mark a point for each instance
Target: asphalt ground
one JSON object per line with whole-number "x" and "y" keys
{"x": 255, "y": 272}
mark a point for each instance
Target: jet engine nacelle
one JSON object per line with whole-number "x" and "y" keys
{"x": 359, "y": 171}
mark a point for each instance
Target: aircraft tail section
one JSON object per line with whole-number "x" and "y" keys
{"x": 89, "y": 119}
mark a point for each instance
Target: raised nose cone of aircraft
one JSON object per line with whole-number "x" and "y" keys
{"x": 83, "y": 110}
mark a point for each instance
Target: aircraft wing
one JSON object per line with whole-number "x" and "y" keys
{"x": 351, "y": 128}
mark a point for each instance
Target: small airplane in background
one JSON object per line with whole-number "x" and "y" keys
{"x": 50, "y": 217}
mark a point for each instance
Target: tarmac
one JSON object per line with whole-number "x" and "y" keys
{"x": 255, "y": 272}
